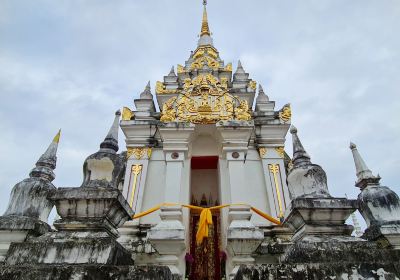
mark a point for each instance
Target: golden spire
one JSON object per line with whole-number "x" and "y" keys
{"x": 205, "y": 30}
{"x": 57, "y": 137}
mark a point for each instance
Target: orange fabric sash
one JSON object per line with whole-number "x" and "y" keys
{"x": 205, "y": 216}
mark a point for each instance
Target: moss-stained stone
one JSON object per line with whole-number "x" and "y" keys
{"x": 84, "y": 272}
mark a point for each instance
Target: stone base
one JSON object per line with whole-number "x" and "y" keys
{"x": 319, "y": 217}
{"x": 86, "y": 272}
{"x": 386, "y": 235}
{"x": 91, "y": 209}
{"x": 320, "y": 271}
{"x": 324, "y": 258}
{"x": 18, "y": 229}
{"x": 69, "y": 248}
{"x": 168, "y": 238}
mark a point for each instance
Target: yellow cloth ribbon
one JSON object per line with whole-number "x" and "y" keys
{"x": 205, "y": 216}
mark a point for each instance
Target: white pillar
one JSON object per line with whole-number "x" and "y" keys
{"x": 275, "y": 179}
{"x": 243, "y": 238}
{"x": 235, "y": 140}
{"x": 133, "y": 189}
{"x": 168, "y": 236}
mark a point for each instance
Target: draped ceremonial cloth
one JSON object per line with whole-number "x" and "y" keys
{"x": 206, "y": 216}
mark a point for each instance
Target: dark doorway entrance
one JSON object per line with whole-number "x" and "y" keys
{"x": 204, "y": 191}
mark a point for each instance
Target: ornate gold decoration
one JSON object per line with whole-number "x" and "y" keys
{"x": 228, "y": 67}
{"x": 202, "y": 61}
{"x": 168, "y": 113}
{"x": 205, "y": 30}
{"x": 205, "y": 56}
{"x": 286, "y": 113}
{"x": 204, "y": 100}
{"x": 224, "y": 82}
{"x": 139, "y": 153}
{"x": 253, "y": 85}
{"x": 280, "y": 151}
{"x": 160, "y": 89}
{"x": 262, "y": 151}
{"x": 180, "y": 69}
{"x": 127, "y": 114}
{"x": 274, "y": 169}
{"x": 136, "y": 169}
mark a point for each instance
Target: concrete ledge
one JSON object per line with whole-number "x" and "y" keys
{"x": 94, "y": 250}
{"x": 320, "y": 271}
{"x": 34, "y": 226}
{"x": 84, "y": 272}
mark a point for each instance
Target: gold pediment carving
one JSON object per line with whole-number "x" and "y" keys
{"x": 204, "y": 99}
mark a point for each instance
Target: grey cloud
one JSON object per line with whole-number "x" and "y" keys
{"x": 71, "y": 64}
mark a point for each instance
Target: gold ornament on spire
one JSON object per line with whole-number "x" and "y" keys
{"x": 205, "y": 30}
{"x": 285, "y": 114}
{"x": 57, "y": 137}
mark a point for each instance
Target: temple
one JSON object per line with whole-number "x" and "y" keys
{"x": 204, "y": 190}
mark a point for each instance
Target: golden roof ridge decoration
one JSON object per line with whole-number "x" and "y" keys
{"x": 161, "y": 89}
{"x": 285, "y": 114}
{"x": 127, "y": 114}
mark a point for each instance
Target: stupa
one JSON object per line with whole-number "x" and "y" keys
{"x": 204, "y": 190}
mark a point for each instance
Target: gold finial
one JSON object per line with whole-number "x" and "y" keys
{"x": 205, "y": 30}
{"x": 57, "y": 137}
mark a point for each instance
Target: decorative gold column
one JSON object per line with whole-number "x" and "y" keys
{"x": 274, "y": 169}
{"x": 135, "y": 171}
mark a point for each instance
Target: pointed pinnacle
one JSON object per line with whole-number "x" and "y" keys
{"x": 364, "y": 174}
{"x": 146, "y": 94}
{"x": 172, "y": 72}
{"x": 262, "y": 97}
{"x": 260, "y": 89}
{"x": 205, "y": 29}
{"x": 56, "y": 138}
{"x": 110, "y": 143}
{"x": 47, "y": 161}
{"x": 300, "y": 156}
{"x": 239, "y": 68}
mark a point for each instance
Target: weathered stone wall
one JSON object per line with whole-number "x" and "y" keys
{"x": 317, "y": 271}
{"x": 84, "y": 272}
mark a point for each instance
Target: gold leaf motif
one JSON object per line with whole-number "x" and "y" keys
{"x": 262, "y": 151}
{"x": 228, "y": 67}
{"x": 286, "y": 113}
{"x": 180, "y": 69}
{"x": 253, "y": 85}
{"x": 127, "y": 114}
{"x": 204, "y": 100}
{"x": 280, "y": 151}
{"x": 274, "y": 169}
{"x": 139, "y": 153}
{"x": 136, "y": 169}
{"x": 160, "y": 89}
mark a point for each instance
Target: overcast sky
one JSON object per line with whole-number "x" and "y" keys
{"x": 71, "y": 64}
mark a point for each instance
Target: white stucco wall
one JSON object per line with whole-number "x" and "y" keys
{"x": 154, "y": 191}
